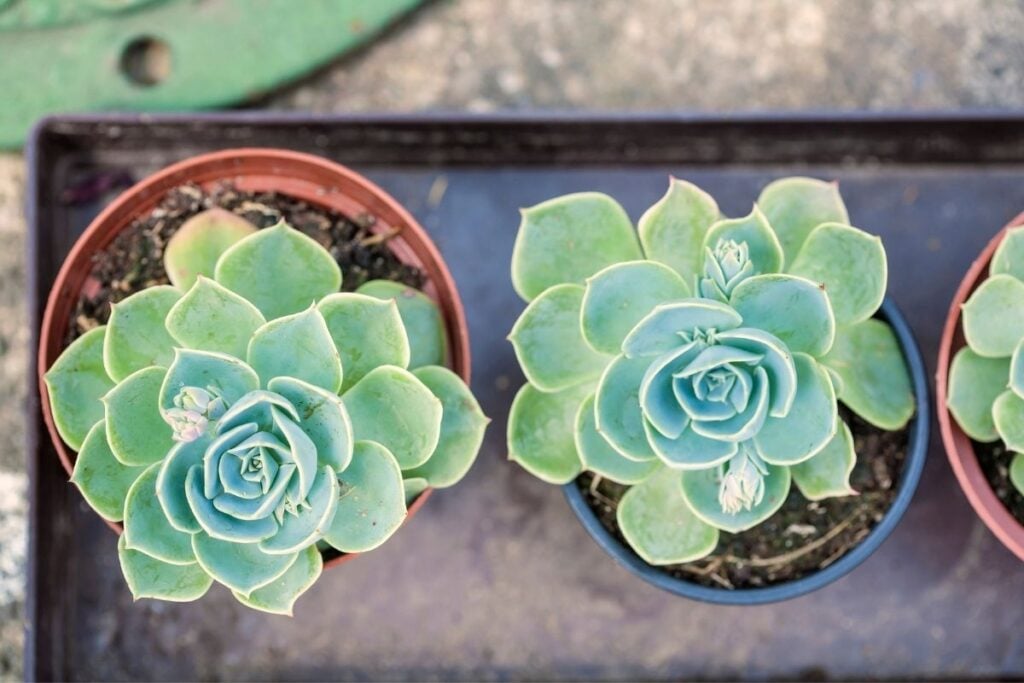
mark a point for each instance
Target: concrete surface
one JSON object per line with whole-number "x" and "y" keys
{"x": 483, "y": 55}
{"x": 684, "y": 54}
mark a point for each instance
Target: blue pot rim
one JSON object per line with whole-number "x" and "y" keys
{"x": 917, "y": 450}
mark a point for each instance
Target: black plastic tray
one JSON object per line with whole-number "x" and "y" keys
{"x": 496, "y": 579}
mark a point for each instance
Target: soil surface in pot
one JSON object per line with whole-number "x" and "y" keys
{"x": 994, "y": 460}
{"x": 135, "y": 259}
{"x": 804, "y": 536}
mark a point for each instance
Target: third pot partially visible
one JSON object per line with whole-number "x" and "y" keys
{"x": 959, "y": 446}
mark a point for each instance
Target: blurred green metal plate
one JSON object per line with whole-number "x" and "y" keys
{"x": 163, "y": 55}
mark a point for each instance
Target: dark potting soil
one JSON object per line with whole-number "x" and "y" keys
{"x": 134, "y": 260}
{"x": 995, "y": 463}
{"x": 804, "y": 536}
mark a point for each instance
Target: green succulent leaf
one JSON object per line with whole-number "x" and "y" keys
{"x": 827, "y": 473}
{"x": 701, "y": 491}
{"x": 229, "y": 377}
{"x": 414, "y": 486}
{"x": 280, "y": 270}
{"x": 689, "y": 450}
{"x": 810, "y": 423}
{"x": 776, "y": 360}
{"x": 136, "y": 336}
{"x": 192, "y": 251}
{"x": 220, "y": 525}
{"x": 395, "y": 409}
{"x": 75, "y": 383}
{"x": 672, "y": 231}
{"x": 658, "y": 396}
{"x": 148, "y": 577}
{"x": 279, "y": 596}
{"x": 146, "y": 527}
{"x": 324, "y": 420}
{"x": 298, "y": 346}
{"x": 372, "y": 504}
{"x": 660, "y": 526}
{"x": 658, "y": 332}
{"x": 993, "y": 317}
{"x": 794, "y": 309}
{"x": 541, "y": 429}
{"x": 1017, "y": 369}
{"x": 720, "y": 388}
{"x": 137, "y": 433}
{"x": 211, "y": 317}
{"x": 171, "y": 481}
{"x": 568, "y": 239}
{"x": 1008, "y": 415}
{"x": 850, "y": 264}
{"x": 424, "y": 326}
{"x": 103, "y": 480}
{"x": 600, "y": 457}
{"x": 796, "y": 206}
{"x": 462, "y": 429}
{"x": 874, "y": 379}
{"x": 837, "y": 381}
{"x": 755, "y": 230}
{"x": 307, "y": 526}
{"x": 549, "y": 343}
{"x": 1017, "y": 472}
{"x": 1008, "y": 258}
{"x": 975, "y": 382}
{"x": 242, "y": 567}
{"x": 620, "y": 420}
{"x": 620, "y": 296}
{"x": 367, "y": 331}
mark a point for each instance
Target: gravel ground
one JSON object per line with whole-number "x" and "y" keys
{"x": 483, "y": 55}
{"x": 13, "y": 357}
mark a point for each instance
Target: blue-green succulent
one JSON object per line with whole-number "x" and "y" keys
{"x": 250, "y": 413}
{"x": 699, "y": 359}
{"x": 986, "y": 377}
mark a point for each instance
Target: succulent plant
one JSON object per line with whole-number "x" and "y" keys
{"x": 249, "y": 411}
{"x": 698, "y": 359}
{"x": 986, "y": 377}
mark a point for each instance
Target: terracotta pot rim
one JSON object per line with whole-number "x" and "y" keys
{"x": 959, "y": 447}
{"x": 917, "y": 451}
{"x": 269, "y": 168}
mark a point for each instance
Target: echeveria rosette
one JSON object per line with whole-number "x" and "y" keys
{"x": 249, "y": 412}
{"x": 698, "y": 359}
{"x": 986, "y": 377}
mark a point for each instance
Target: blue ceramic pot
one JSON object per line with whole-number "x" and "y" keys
{"x": 917, "y": 450}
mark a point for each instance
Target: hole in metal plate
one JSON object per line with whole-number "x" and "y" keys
{"x": 146, "y": 61}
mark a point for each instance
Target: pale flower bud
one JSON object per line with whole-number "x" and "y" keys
{"x": 193, "y": 398}
{"x": 725, "y": 266}
{"x": 742, "y": 484}
{"x": 188, "y": 425}
{"x": 195, "y": 409}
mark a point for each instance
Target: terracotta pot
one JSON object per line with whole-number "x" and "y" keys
{"x": 311, "y": 178}
{"x": 959, "y": 446}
